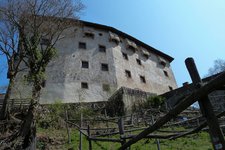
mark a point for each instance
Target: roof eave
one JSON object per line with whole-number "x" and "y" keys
{"x": 104, "y": 27}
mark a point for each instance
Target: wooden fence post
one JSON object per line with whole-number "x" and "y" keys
{"x": 89, "y": 137}
{"x": 121, "y": 130}
{"x": 138, "y": 119}
{"x": 81, "y": 119}
{"x": 107, "y": 121}
{"x": 156, "y": 140}
{"x": 206, "y": 108}
{"x": 67, "y": 127}
{"x": 198, "y": 123}
{"x": 132, "y": 119}
{"x": 184, "y": 104}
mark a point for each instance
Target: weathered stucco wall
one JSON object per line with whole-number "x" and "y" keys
{"x": 156, "y": 81}
{"x": 65, "y": 73}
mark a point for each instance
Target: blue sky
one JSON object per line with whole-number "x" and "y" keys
{"x": 187, "y": 28}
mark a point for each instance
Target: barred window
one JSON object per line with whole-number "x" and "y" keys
{"x": 84, "y": 85}
{"x": 102, "y": 48}
{"x": 105, "y": 67}
{"x": 82, "y": 45}
{"x": 85, "y": 64}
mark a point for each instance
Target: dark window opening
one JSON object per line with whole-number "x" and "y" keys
{"x": 105, "y": 67}
{"x": 85, "y": 64}
{"x": 82, "y": 45}
{"x": 105, "y": 87}
{"x": 163, "y": 63}
{"x": 138, "y": 61}
{"x": 142, "y": 78}
{"x": 45, "y": 41}
{"x": 100, "y": 34}
{"x": 125, "y": 56}
{"x": 128, "y": 73}
{"x": 90, "y": 35}
{"x": 84, "y": 85}
{"x": 146, "y": 56}
{"x": 132, "y": 48}
{"x": 171, "y": 88}
{"x": 43, "y": 84}
{"x": 115, "y": 41}
{"x": 102, "y": 48}
{"x": 166, "y": 73}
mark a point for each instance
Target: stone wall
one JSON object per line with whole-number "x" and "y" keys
{"x": 125, "y": 100}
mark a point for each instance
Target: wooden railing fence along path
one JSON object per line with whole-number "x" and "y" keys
{"x": 126, "y": 139}
{"x": 200, "y": 94}
{"x": 123, "y": 130}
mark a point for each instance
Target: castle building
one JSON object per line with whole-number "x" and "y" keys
{"x": 94, "y": 60}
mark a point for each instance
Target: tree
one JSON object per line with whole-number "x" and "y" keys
{"x": 219, "y": 66}
{"x": 37, "y": 26}
{"x": 9, "y": 42}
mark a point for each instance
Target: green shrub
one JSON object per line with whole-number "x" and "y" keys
{"x": 51, "y": 115}
{"x": 154, "y": 102}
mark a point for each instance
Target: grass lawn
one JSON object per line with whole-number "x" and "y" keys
{"x": 57, "y": 139}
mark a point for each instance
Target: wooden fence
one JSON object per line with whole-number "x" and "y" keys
{"x": 208, "y": 118}
{"x": 125, "y": 128}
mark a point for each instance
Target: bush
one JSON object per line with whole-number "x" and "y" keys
{"x": 154, "y": 102}
{"x": 51, "y": 115}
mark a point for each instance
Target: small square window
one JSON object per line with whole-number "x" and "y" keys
{"x": 128, "y": 73}
{"x": 105, "y": 87}
{"x": 85, "y": 64}
{"x": 165, "y": 73}
{"x": 125, "y": 56}
{"x": 82, "y": 45}
{"x": 171, "y": 88}
{"x": 84, "y": 85}
{"x": 102, "y": 48}
{"x": 142, "y": 78}
{"x": 138, "y": 61}
{"x": 105, "y": 67}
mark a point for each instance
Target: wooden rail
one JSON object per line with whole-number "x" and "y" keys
{"x": 186, "y": 102}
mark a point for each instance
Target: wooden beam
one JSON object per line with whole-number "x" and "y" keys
{"x": 121, "y": 130}
{"x": 153, "y": 136}
{"x": 216, "y": 134}
{"x": 197, "y": 129}
{"x": 105, "y": 139}
{"x": 89, "y": 135}
{"x": 186, "y": 102}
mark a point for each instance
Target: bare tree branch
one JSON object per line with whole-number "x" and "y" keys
{"x": 23, "y": 25}
{"x": 219, "y": 66}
